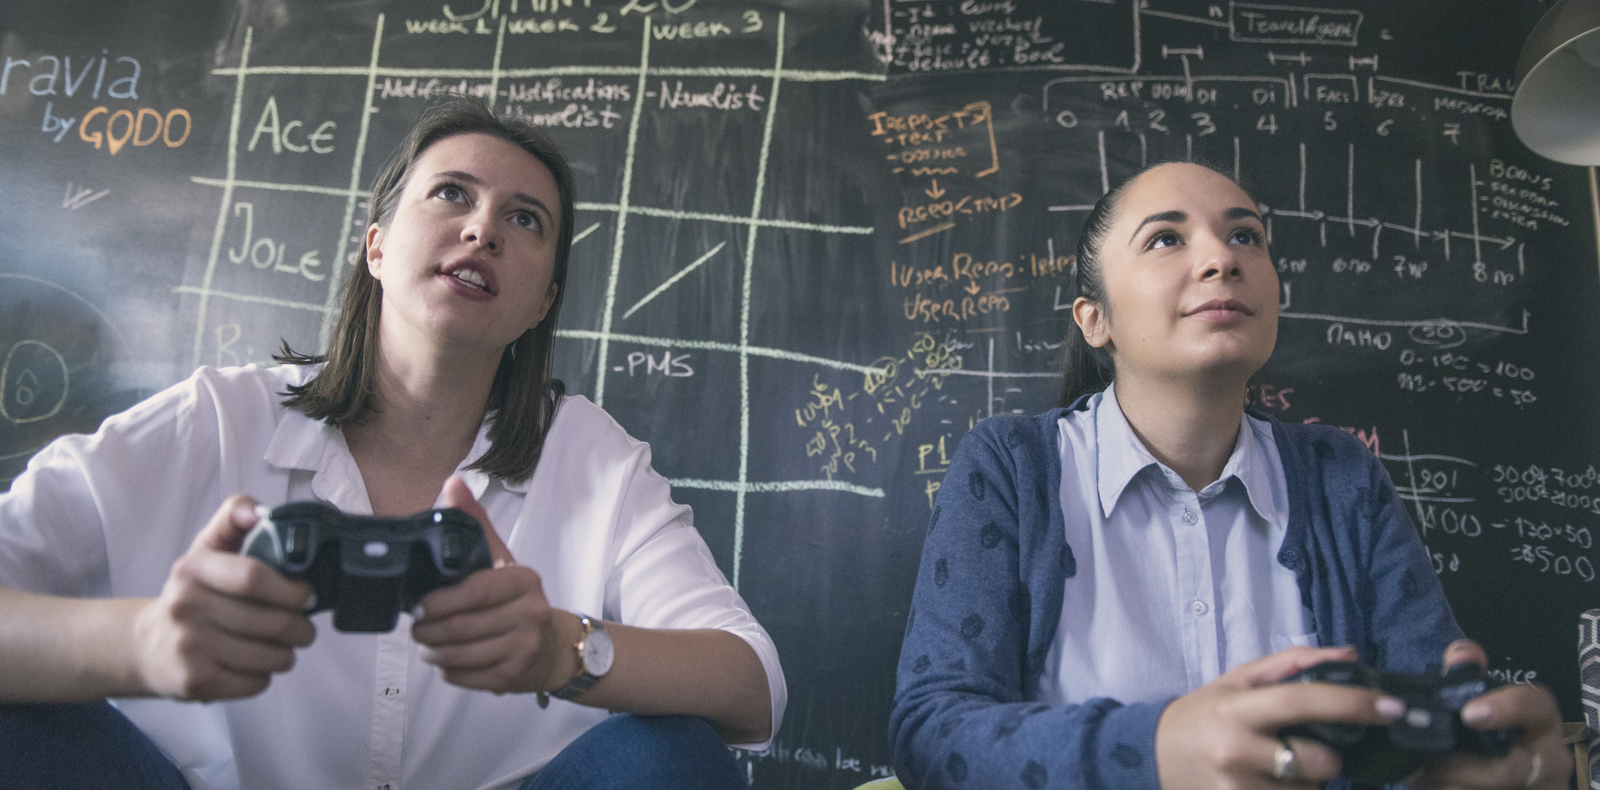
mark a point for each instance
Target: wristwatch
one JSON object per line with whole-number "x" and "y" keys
{"x": 594, "y": 660}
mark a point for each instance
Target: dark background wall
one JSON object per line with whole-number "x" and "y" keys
{"x": 820, "y": 240}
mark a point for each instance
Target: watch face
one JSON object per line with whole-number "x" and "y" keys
{"x": 597, "y": 653}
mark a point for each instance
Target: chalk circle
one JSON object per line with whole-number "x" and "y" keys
{"x": 58, "y": 350}
{"x": 32, "y": 371}
{"x": 884, "y": 370}
{"x": 1440, "y": 333}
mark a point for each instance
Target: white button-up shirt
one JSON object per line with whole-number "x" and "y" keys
{"x": 1173, "y": 587}
{"x": 107, "y": 514}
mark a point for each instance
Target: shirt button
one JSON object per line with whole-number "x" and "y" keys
{"x": 1198, "y": 607}
{"x": 1189, "y": 516}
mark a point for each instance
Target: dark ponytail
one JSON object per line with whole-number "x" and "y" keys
{"x": 1086, "y": 369}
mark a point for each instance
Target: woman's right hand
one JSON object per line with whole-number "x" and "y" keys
{"x": 224, "y": 622}
{"x": 1225, "y": 734}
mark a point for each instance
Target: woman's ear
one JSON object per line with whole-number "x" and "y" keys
{"x": 1092, "y": 321}
{"x": 374, "y": 250}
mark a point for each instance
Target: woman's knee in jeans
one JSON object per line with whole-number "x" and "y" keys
{"x": 626, "y": 751}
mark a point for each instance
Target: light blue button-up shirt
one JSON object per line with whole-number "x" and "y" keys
{"x": 1173, "y": 587}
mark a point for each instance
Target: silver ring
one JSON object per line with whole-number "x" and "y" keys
{"x": 1285, "y": 766}
{"x": 1536, "y": 772}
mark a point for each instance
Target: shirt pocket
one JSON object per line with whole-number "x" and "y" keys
{"x": 1281, "y": 642}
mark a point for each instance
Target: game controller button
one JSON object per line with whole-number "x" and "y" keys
{"x": 295, "y": 543}
{"x": 1421, "y": 718}
{"x": 375, "y": 549}
{"x": 450, "y": 550}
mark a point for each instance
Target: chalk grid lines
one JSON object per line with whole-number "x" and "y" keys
{"x": 753, "y": 223}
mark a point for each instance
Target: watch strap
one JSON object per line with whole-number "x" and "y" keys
{"x": 584, "y": 680}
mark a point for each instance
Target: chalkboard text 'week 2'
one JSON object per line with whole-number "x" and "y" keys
{"x": 477, "y": 22}
{"x": 105, "y": 127}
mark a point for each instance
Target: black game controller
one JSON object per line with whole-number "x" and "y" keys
{"x": 1431, "y": 727}
{"x": 368, "y": 569}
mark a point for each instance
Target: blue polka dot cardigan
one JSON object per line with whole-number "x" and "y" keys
{"x": 989, "y": 598}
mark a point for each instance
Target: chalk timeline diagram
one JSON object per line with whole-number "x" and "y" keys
{"x": 817, "y": 244}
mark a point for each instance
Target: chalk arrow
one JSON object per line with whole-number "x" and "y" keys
{"x": 972, "y": 288}
{"x": 82, "y": 198}
{"x": 934, "y": 191}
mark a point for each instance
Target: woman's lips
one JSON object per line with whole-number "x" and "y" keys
{"x": 1221, "y": 310}
{"x": 470, "y": 278}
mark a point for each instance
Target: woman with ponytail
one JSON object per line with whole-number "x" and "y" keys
{"x": 1112, "y": 591}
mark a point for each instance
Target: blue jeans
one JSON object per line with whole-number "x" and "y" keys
{"x": 92, "y": 745}
{"x": 89, "y": 745}
{"x": 626, "y": 752}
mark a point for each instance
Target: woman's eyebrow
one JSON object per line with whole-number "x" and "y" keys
{"x": 1239, "y": 213}
{"x": 1165, "y": 216}
{"x": 463, "y": 176}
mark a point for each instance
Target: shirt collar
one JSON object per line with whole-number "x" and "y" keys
{"x": 1256, "y": 464}
{"x": 1121, "y": 457}
{"x": 301, "y": 442}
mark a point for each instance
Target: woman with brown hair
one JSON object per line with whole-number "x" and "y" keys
{"x": 119, "y": 580}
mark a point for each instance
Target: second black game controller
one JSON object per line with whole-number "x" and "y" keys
{"x": 1430, "y": 728}
{"x": 368, "y": 569}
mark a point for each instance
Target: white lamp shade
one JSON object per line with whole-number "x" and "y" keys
{"x": 1556, "y": 109}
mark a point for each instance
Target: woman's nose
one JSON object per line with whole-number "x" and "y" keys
{"x": 480, "y": 230}
{"x": 1216, "y": 259}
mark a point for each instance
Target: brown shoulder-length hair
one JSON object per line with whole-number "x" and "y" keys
{"x": 524, "y": 396}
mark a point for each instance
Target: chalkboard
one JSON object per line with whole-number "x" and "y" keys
{"x": 819, "y": 240}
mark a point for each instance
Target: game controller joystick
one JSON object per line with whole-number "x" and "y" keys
{"x": 368, "y": 569}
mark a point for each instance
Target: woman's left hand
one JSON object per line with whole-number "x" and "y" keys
{"x": 1539, "y": 760}
{"x": 495, "y": 630}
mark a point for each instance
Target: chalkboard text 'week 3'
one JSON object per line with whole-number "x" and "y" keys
{"x": 104, "y": 127}
{"x": 748, "y": 21}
